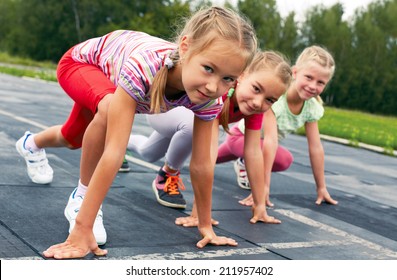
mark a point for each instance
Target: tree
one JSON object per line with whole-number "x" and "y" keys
{"x": 375, "y": 52}
{"x": 326, "y": 28}
{"x": 266, "y": 20}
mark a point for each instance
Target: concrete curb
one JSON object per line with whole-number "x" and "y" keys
{"x": 360, "y": 145}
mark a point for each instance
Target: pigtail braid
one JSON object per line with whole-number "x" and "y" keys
{"x": 157, "y": 91}
{"x": 224, "y": 115}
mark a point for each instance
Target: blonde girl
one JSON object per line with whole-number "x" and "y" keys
{"x": 153, "y": 76}
{"x": 264, "y": 81}
{"x": 301, "y": 105}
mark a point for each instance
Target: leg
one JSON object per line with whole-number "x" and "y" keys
{"x": 91, "y": 90}
{"x": 177, "y": 127}
{"x": 283, "y": 159}
{"x": 233, "y": 147}
{"x": 150, "y": 148}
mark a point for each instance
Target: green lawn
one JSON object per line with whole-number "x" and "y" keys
{"x": 359, "y": 127}
{"x": 351, "y": 125}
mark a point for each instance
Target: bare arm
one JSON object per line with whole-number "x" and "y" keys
{"x": 117, "y": 135}
{"x": 254, "y": 165}
{"x": 316, "y": 154}
{"x": 81, "y": 240}
{"x": 269, "y": 147}
{"x": 202, "y": 166}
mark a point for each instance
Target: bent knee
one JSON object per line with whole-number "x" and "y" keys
{"x": 283, "y": 163}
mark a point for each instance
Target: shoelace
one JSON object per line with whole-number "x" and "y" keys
{"x": 173, "y": 184}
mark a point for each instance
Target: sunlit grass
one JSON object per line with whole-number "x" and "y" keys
{"x": 47, "y": 75}
{"x": 24, "y": 67}
{"x": 358, "y": 127}
{"x": 6, "y": 58}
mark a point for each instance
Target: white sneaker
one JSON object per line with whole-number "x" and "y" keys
{"x": 39, "y": 171}
{"x": 71, "y": 211}
{"x": 242, "y": 178}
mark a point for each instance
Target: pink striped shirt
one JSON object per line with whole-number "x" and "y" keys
{"x": 131, "y": 59}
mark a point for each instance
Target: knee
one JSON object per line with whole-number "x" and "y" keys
{"x": 102, "y": 110}
{"x": 283, "y": 163}
{"x": 149, "y": 157}
{"x": 67, "y": 144}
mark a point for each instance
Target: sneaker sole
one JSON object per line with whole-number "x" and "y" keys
{"x": 237, "y": 170}
{"x": 69, "y": 218}
{"x": 124, "y": 170}
{"x": 45, "y": 182}
{"x": 162, "y": 202}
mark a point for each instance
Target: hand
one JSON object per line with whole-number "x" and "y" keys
{"x": 209, "y": 237}
{"x": 191, "y": 221}
{"x": 249, "y": 201}
{"x": 79, "y": 244}
{"x": 259, "y": 214}
{"x": 323, "y": 195}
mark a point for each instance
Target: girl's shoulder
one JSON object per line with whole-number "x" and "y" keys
{"x": 313, "y": 110}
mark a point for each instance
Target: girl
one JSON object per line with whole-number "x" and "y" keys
{"x": 151, "y": 75}
{"x": 263, "y": 82}
{"x": 300, "y": 105}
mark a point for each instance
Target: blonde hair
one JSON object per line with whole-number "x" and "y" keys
{"x": 319, "y": 55}
{"x": 272, "y": 61}
{"x": 205, "y": 26}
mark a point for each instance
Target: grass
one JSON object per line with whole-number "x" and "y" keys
{"x": 354, "y": 126}
{"x": 358, "y": 127}
{"x": 23, "y": 67}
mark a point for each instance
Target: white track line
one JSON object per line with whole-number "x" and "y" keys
{"x": 22, "y": 119}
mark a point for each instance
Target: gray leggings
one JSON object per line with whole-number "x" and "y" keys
{"x": 172, "y": 138}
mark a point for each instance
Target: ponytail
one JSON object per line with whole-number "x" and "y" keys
{"x": 157, "y": 91}
{"x": 224, "y": 115}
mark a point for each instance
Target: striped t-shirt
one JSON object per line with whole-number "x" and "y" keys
{"x": 131, "y": 59}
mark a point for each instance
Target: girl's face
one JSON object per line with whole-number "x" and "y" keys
{"x": 310, "y": 79}
{"x": 209, "y": 74}
{"x": 256, "y": 92}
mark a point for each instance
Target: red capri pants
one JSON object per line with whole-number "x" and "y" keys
{"x": 86, "y": 84}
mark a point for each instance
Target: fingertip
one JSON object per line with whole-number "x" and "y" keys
{"x": 104, "y": 252}
{"x": 57, "y": 256}
{"x": 333, "y": 202}
{"x": 100, "y": 252}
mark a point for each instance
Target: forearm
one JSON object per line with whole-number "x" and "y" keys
{"x": 202, "y": 165}
{"x": 269, "y": 150}
{"x": 317, "y": 163}
{"x": 202, "y": 180}
{"x": 254, "y": 165}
